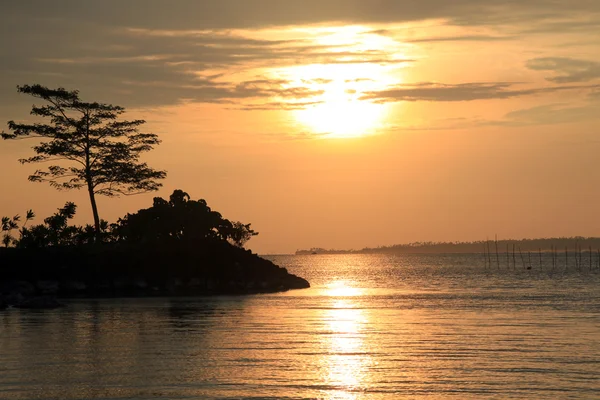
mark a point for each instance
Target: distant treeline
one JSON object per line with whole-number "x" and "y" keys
{"x": 545, "y": 244}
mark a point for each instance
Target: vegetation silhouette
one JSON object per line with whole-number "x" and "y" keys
{"x": 176, "y": 247}
{"x": 181, "y": 218}
{"x": 9, "y": 224}
{"x": 87, "y": 145}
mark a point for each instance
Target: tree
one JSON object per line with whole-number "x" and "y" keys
{"x": 181, "y": 218}
{"x": 55, "y": 231}
{"x": 8, "y": 224}
{"x": 239, "y": 233}
{"x": 91, "y": 147}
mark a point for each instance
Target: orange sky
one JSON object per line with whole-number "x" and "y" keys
{"x": 337, "y": 123}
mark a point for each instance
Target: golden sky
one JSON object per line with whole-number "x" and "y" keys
{"x": 332, "y": 123}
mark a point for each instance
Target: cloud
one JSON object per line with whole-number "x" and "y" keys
{"x": 149, "y": 52}
{"x": 143, "y": 67}
{"x": 567, "y": 70}
{"x": 548, "y": 114}
{"x": 429, "y": 91}
{"x": 464, "y": 38}
{"x": 277, "y": 106}
{"x": 236, "y": 14}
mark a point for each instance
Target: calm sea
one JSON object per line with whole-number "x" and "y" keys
{"x": 371, "y": 327}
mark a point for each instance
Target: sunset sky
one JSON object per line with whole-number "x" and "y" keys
{"x": 332, "y": 123}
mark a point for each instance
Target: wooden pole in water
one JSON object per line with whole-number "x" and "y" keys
{"x": 566, "y": 258}
{"x": 529, "y": 255}
{"x": 590, "y": 258}
{"x": 540, "y": 252}
{"x": 514, "y": 258}
{"x": 489, "y": 254}
{"x": 507, "y": 258}
{"x": 484, "y": 258}
{"x": 497, "y": 258}
{"x": 522, "y": 259}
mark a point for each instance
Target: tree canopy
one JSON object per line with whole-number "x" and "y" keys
{"x": 87, "y": 146}
{"x": 181, "y": 218}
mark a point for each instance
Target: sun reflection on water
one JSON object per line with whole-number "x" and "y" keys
{"x": 347, "y": 359}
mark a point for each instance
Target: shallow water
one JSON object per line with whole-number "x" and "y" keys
{"x": 372, "y": 327}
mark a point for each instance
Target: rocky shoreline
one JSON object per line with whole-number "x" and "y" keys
{"x": 46, "y": 294}
{"x": 40, "y": 278}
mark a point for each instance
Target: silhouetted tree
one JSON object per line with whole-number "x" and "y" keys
{"x": 240, "y": 233}
{"x": 181, "y": 218}
{"x": 55, "y": 231}
{"x": 95, "y": 149}
{"x": 9, "y": 224}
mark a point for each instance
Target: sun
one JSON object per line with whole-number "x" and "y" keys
{"x": 355, "y": 61}
{"x": 339, "y": 110}
{"x": 341, "y": 114}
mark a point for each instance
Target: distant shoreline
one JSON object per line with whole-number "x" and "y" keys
{"x": 577, "y": 243}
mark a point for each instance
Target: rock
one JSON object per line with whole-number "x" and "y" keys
{"x": 174, "y": 285}
{"x": 13, "y": 298}
{"x": 195, "y": 283}
{"x": 295, "y": 282}
{"x": 73, "y": 286}
{"x": 15, "y": 288}
{"x": 121, "y": 283}
{"x": 47, "y": 287}
{"x": 40, "y": 303}
{"x": 140, "y": 283}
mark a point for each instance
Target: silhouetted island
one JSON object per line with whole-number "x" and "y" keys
{"x": 178, "y": 247}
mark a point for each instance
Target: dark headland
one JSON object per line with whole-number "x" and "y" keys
{"x": 177, "y": 247}
{"x": 116, "y": 270}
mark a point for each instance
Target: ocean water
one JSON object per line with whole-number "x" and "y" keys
{"x": 371, "y": 327}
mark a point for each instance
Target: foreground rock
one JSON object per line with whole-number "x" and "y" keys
{"x": 211, "y": 267}
{"x": 40, "y": 303}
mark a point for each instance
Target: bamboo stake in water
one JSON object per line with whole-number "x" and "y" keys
{"x": 529, "y": 255}
{"x": 484, "y": 258}
{"x": 590, "y": 258}
{"x": 566, "y": 258}
{"x": 540, "y": 253}
{"x": 507, "y": 258}
{"x": 497, "y": 258}
{"x": 514, "y": 258}
{"x": 522, "y": 259}
{"x": 489, "y": 254}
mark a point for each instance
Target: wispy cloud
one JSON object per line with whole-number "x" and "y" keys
{"x": 547, "y": 114}
{"x": 429, "y": 91}
{"x": 567, "y": 70}
{"x": 463, "y": 38}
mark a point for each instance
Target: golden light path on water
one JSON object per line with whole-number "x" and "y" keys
{"x": 348, "y": 360}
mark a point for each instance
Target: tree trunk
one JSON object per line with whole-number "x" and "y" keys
{"x": 95, "y": 211}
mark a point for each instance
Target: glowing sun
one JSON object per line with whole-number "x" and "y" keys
{"x": 340, "y": 113}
